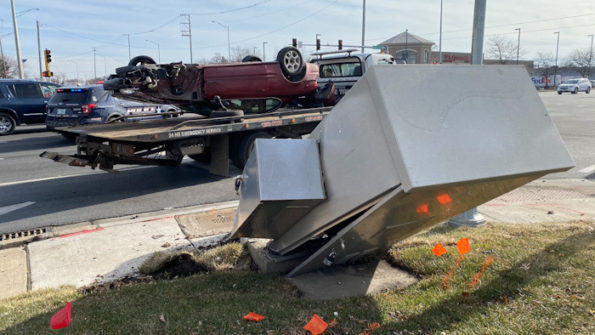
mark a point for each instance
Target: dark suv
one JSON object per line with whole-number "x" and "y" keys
{"x": 23, "y": 101}
{"x": 92, "y": 104}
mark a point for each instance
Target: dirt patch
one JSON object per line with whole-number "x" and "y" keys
{"x": 126, "y": 281}
{"x": 181, "y": 265}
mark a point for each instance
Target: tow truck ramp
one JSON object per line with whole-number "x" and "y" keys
{"x": 407, "y": 148}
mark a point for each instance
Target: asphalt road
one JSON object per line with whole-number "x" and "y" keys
{"x": 37, "y": 192}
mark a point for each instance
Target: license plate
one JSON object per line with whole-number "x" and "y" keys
{"x": 60, "y": 111}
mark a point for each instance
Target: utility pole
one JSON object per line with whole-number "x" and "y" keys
{"x": 17, "y": 41}
{"x": 440, "y": 43}
{"x": 518, "y": 45}
{"x": 188, "y": 33}
{"x": 94, "y": 66}
{"x": 479, "y": 18}
{"x": 39, "y": 50}
{"x": 363, "y": 25}
{"x": 557, "y": 45}
{"x": 3, "y": 68}
{"x": 472, "y": 218}
{"x": 264, "y": 56}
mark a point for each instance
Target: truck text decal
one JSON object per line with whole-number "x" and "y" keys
{"x": 177, "y": 134}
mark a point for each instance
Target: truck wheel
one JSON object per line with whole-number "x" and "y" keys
{"x": 251, "y": 58}
{"x": 7, "y": 124}
{"x": 245, "y": 146}
{"x": 141, "y": 60}
{"x": 291, "y": 61}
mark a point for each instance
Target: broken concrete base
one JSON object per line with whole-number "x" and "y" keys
{"x": 266, "y": 262}
{"x": 13, "y": 272}
{"x": 354, "y": 280}
{"x": 207, "y": 223}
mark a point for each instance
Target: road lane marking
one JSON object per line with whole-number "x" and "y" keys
{"x": 12, "y": 183}
{"x": 12, "y": 208}
{"x": 588, "y": 169}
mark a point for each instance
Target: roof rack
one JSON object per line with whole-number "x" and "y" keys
{"x": 322, "y": 53}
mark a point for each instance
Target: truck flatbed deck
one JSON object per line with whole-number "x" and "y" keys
{"x": 165, "y": 142}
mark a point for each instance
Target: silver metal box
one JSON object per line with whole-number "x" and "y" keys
{"x": 281, "y": 182}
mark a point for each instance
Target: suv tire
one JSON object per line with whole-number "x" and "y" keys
{"x": 588, "y": 90}
{"x": 7, "y": 124}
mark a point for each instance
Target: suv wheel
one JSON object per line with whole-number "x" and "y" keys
{"x": 575, "y": 91}
{"x": 588, "y": 90}
{"x": 7, "y": 124}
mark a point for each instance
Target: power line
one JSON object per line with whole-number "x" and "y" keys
{"x": 230, "y": 10}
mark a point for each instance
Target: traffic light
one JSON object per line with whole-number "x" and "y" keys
{"x": 317, "y": 44}
{"x": 294, "y": 42}
{"x": 48, "y": 56}
{"x": 340, "y": 44}
{"x": 47, "y": 74}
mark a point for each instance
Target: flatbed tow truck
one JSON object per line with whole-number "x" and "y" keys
{"x": 165, "y": 142}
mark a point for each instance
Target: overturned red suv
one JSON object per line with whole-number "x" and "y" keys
{"x": 252, "y": 86}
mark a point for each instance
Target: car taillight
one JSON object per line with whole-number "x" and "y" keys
{"x": 86, "y": 109}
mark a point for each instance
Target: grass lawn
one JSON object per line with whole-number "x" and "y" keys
{"x": 540, "y": 282}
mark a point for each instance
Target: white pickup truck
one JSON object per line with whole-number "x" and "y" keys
{"x": 344, "y": 68}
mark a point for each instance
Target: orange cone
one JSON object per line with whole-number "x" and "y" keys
{"x": 316, "y": 325}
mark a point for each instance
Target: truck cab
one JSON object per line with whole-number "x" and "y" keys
{"x": 344, "y": 68}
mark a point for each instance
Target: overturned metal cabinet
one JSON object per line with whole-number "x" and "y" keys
{"x": 411, "y": 146}
{"x": 280, "y": 184}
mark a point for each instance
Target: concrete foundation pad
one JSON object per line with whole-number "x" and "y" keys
{"x": 103, "y": 254}
{"x": 13, "y": 272}
{"x": 264, "y": 260}
{"x": 354, "y": 280}
{"x": 208, "y": 223}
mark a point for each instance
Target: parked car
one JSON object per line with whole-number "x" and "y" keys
{"x": 23, "y": 101}
{"x": 93, "y": 104}
{"x": 200, "y": 88}
{"x": 575, "y": 85}
{"x": 344, "y": 68}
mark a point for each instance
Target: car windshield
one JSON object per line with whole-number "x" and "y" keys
{"x": 72, "y": 96}
{"x": 574, "y": 81}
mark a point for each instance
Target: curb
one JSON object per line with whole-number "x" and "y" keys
{"x": 21, "y": 238}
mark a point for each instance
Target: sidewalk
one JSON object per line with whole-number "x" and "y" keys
{"x": 85, "y": 253}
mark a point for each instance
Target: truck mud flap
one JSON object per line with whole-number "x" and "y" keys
{"x": 65, "y": 159}
{"x": 220, "y": 155}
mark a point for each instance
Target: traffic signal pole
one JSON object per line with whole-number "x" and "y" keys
{"x": 39, "y": 50}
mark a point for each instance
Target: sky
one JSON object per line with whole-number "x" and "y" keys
{"x": 72, "y": 29}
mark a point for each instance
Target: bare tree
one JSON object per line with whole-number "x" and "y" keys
{"x": 545, "y": 65}
{"x": 8, "y": 67}
{"x": 501, "y": 49}
{"x": 578, "y": 60}
{"x": 238, "y": 53}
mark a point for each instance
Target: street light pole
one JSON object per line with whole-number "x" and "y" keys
{"x": 557, "y": 45}
{"x": 264, "y": 56}
{"x": 440, "y": 43}
{"x": 363, "y": 25}
{"x": 17, "y": 41}
{"x": 39, "y": 50}
{"x": 591, "y": 54}
{"x": 228, "y": 43}
{"x": 158, "y": 50}
{"x": 518, "y": 45}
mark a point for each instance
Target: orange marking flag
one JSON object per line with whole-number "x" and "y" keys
{"x": 62, "y": 317}
{"x": 477, "y": 278}
{"x": 253, "y": 317}
{"x": 316, "y": 325}
{"x": 439, "y": 250}
{"x": 463, "y": 246}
